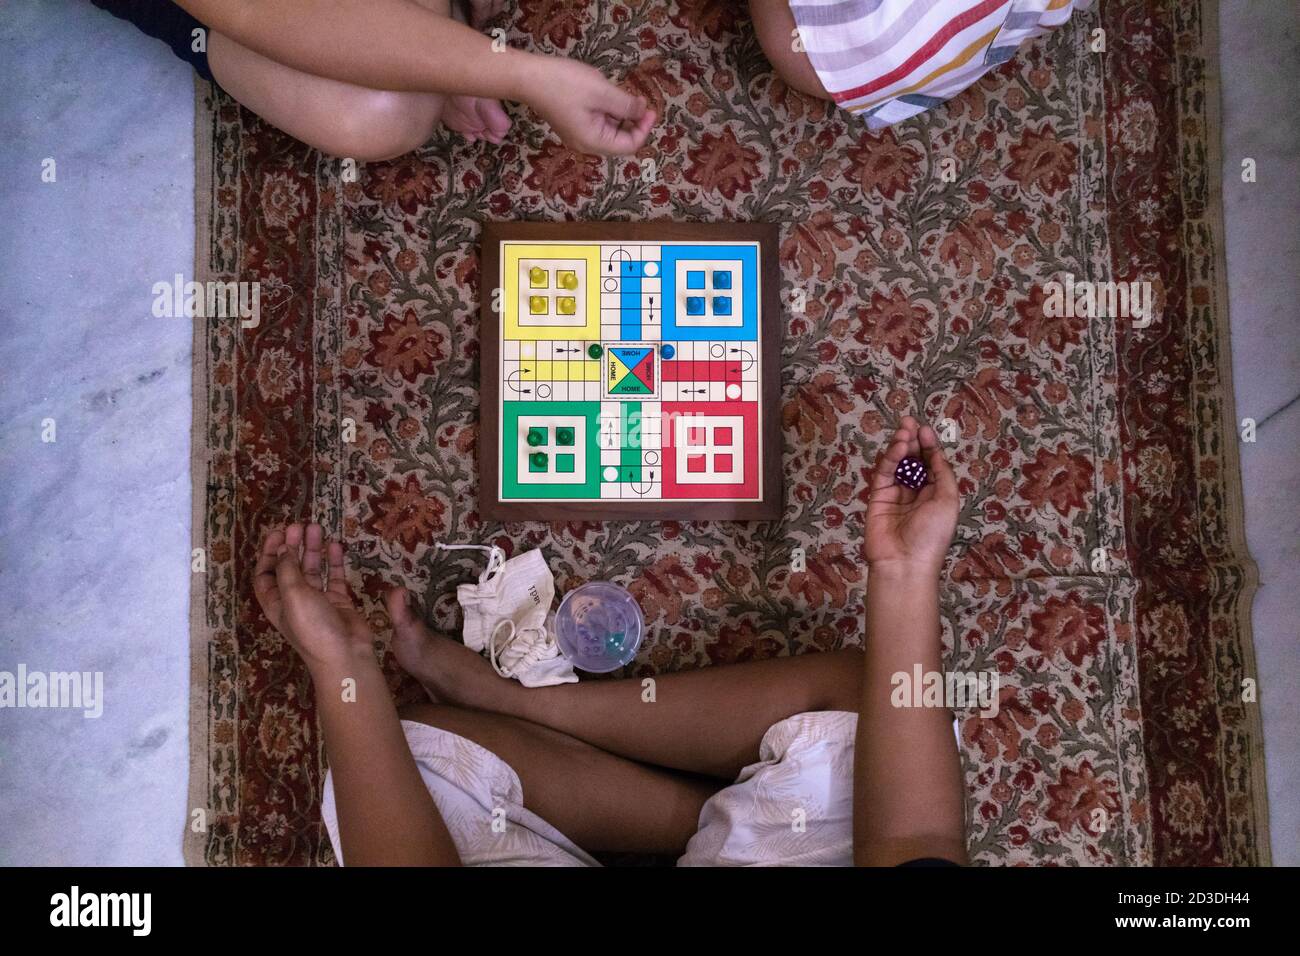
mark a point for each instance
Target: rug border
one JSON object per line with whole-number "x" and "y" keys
{"x": 194, "y": 844}
{"x": 1232, "y": 485}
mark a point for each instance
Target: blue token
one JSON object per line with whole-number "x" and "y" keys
{"x": 695, "y": 305}
{"x": 667, "y": 351}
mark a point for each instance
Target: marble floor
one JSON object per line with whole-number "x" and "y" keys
{"x": 94, "y": 526}
{"x": 1263, "y": 248}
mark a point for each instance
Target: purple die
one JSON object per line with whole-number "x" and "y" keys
{"x": 911, "y": 473}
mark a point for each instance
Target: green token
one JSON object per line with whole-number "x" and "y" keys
{"x": 595, "y": 351}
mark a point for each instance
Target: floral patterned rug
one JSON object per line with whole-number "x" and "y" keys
{"x": 1099, "y": 566}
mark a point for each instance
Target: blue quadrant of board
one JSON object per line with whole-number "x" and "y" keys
{"x": 630, "y": 273}
{"x": 747, "y": 330}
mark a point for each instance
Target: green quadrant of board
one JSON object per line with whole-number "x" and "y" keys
{"x": 512, "y": 440}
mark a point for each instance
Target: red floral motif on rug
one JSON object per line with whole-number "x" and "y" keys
{"x": 1098, "y": 569}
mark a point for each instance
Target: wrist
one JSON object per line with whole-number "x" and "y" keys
{"x": 525, "y": 74}
{"x": 350, "y": 660}
{"x": 905, "y": 571}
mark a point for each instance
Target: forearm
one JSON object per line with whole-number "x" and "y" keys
{"x": 907, "y": 778}
{"x": 381, "y": 44}
{"x": 386, "y": 816}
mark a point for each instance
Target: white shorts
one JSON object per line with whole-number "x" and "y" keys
{"x": 794, "y": 807}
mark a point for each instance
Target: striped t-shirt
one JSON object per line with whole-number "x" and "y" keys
{"x": 891, "y": 59}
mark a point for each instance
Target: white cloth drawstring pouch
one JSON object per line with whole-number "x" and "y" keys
{"x": 508, "y": 617}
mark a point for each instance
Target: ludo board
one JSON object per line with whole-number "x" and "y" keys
{"x": 630, "y": 371}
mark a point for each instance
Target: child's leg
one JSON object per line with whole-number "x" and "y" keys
{"x": 343, "y": 119}
{"x": 774, "y": 24}
{"x": 337, "y": 118}
{"x": 708, "y": 721}
{"x": 601, "y": 802}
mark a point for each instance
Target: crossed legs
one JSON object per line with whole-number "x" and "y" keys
{"x": 601, "y": 802}
{"x": 607, "y": 767}
{"x": 343, "y": 119}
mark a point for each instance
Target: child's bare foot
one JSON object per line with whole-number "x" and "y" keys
{"x": 476, "y": 118}
{"x": 448, "y": 671}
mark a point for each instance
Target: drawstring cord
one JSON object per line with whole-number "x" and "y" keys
{"x": 496, "y": 557}
{"x": 528, "y": 660}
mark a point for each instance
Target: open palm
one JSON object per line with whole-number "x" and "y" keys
{"x": 906, "y": 527}
{"x": 300, "y": 584}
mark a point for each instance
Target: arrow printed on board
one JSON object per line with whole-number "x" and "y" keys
{"x": 748, "y": 357}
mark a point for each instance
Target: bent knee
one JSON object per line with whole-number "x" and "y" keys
{"x": 803, "y": 79}
{"x": 381, "y": 124}
{"x": 774, "y": 26}
{"x": 797, "y": 72}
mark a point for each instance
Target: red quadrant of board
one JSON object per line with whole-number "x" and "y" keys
{"x": 721, "y": 440}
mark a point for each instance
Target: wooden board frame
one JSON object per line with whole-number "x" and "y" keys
{"x": 771, "y": 326}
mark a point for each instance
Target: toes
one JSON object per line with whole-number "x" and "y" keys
{"x": 477, "y": 118}
{"x": 410, "y": 638}
{"x": 461, "y": 115}
{"x": 496, "y": 121}
{"x": 398, "y": 602}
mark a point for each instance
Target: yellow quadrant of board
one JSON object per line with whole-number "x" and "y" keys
{"x": 515, "y": 284}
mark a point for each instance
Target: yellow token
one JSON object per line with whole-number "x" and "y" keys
{"x": 537, "y": 305}
{"x": 568, "y": 305}
{"x": 537, "y": 276}
{"x": 569, "y": 280}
